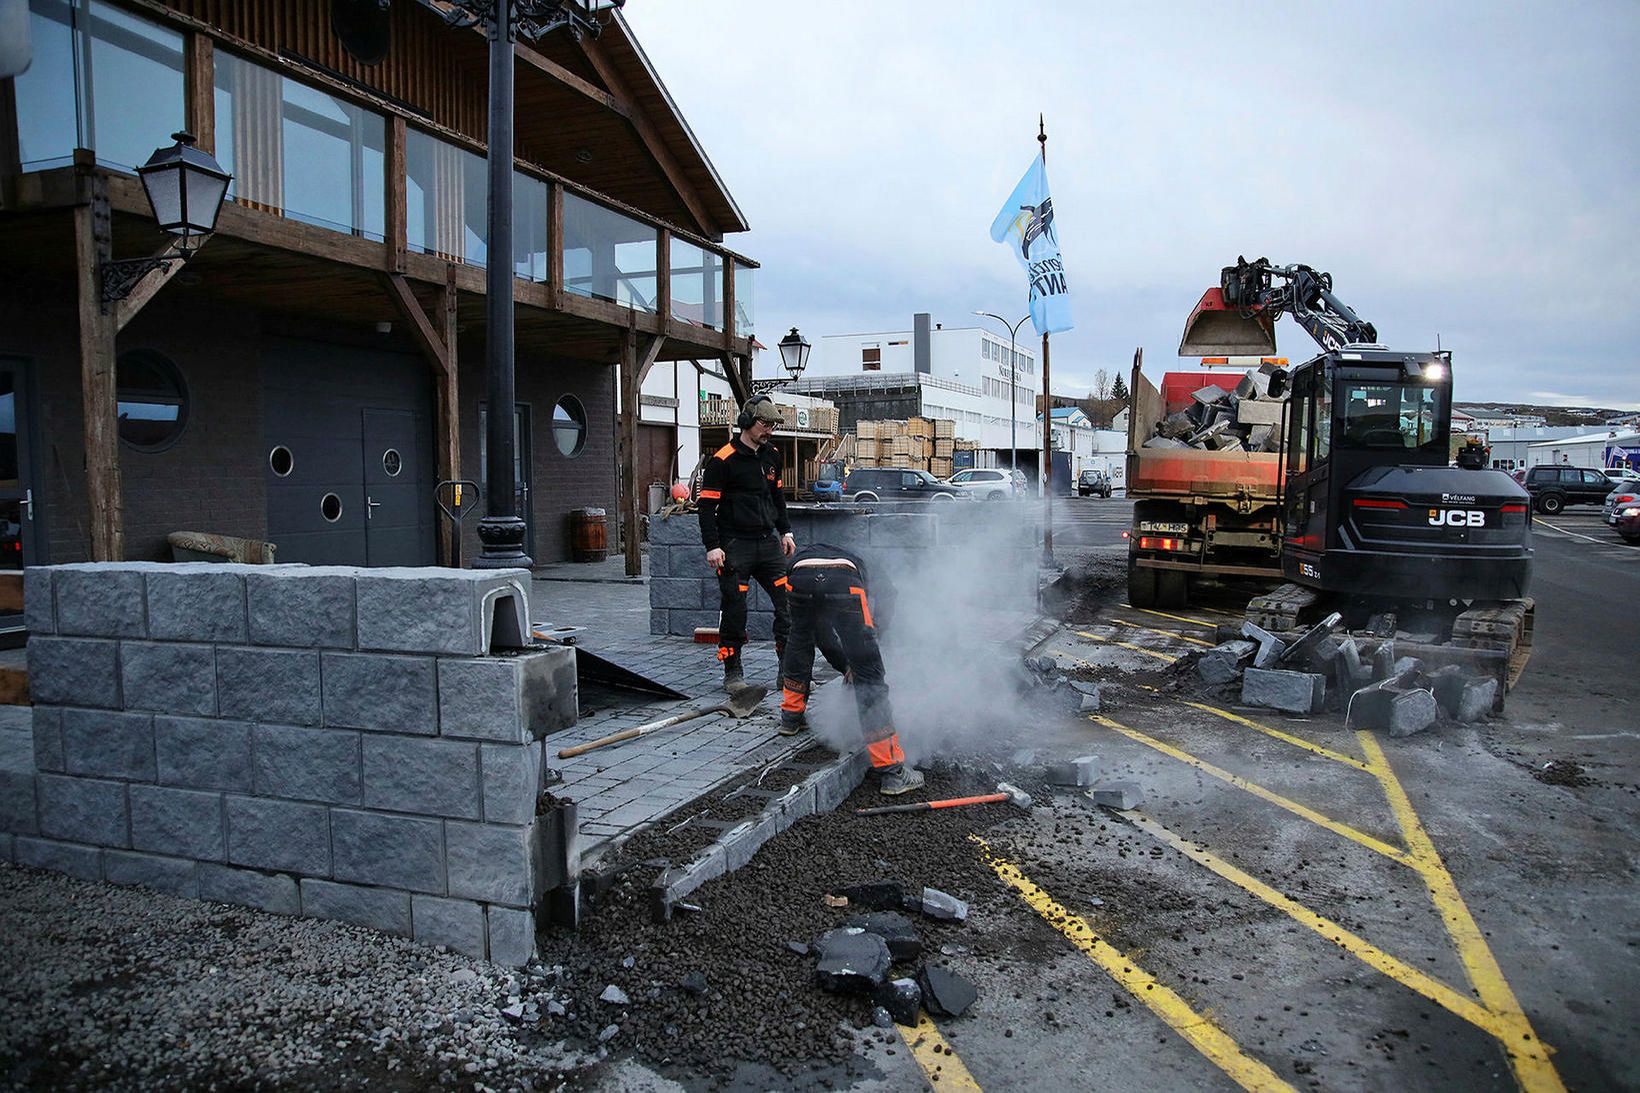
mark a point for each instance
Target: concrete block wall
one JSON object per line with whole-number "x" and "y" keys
{"x": 997, "y": 543}
{"x": 328, "y": 741}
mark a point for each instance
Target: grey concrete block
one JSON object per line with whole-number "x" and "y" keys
{"x": 306, "y": 764}
{"x": 1079, "y": 772}
{"x": 379, "y": 692}
{"x": 8, "y": 847}
{"x": 1117, "y": 795}
{"x": 98, "y": 602}
{"x": 108, "y": 744}
{"x": 1270, "y": 647}
{"x": 511, "y": 781}
{"x": 203, "y": 602}
{"x": 39, "y": 601}
{"x": 1462, "y": 697}
{"x": 657, "y": 622}
{"x": 511, "y": 699}
{"x": 658, "y": 561}
{"x": 512, "y": 936}
{"x": 901, "y": 529}
{"x": 1411, "y": 712}
{"x": 1294, "y": 692}
{"x": 680, "y": 528}
{"x": 281, "y": 835}
{"x": 392, "y": 851}
{"x": 279, "y": 685}
{"x": 377, "y": 908}
{"x": 491, "y": 863}
{"x": 760, "y": 625}
{"x": 272, "y": 892}
{"x": 1249, "y": 412}
{"x": 203, "y": 753}
{"x": 433, "y": 777}
{"x": 457, "y": 924}
{"x": 684, "y": 623}
{"x": 83, "y": 810}
{"x": 74, "y": 672}
{"x": 1382, "y": 707}
{"x": 689, "y": 561}
{"x": 1216, "y": 669}
{"x": 48, "y": 738}
{"x": 674, "y": 592}
{"x": 169, "y": 677}
{"x": 173, "y": 875}
{"x": 444, "y": 611}
{"x": 183, "y": 823}
{"x": 17, "y": 808}
{"x": 73, "y": 859}
{"x": 306, "y": 608}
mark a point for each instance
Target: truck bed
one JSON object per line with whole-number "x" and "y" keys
{"x": 1190, "y": 472}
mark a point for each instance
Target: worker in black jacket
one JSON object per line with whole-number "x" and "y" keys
{"x": 744, "y": 527}
{"x": 832, "y": 606}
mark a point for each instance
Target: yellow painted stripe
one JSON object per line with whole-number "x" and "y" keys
{"x": 943, "y": 1069}
{"x": 1196, "y": 1028}
{"x": 1174, "y": 634}
{"x": 1377, "y": 846}
{"x": 1433, "y": 989}
{"x": 1128, "y": 645}
{"x": 1176, "y": 618}
{"x": 1296, "y": 741}
{"x": 1528, "y": 1055}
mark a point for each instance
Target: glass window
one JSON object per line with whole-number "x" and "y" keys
{"x": 152, "y": 400}
{"x": 1595, "y": 478}
{"x": 745, "y": 300}
{"x": 697, "y": 285}
{"x": 609, "y": 256}
{"x": 1391, "y": 415}
{"x": 569, "y": 425}
{"x": 47, "y": 125}
{"x": 529, "y": 228}
{"x": 1323, "y": 416}
{"x": 445, "y": 188}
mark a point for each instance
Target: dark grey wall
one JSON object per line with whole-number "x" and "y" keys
{"x": 921, "y": 343}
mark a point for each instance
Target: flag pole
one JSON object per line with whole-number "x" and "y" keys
{"x": 1047, "y": 410}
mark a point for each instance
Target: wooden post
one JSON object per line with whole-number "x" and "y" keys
{"x": 663, "y": 275}
{"x": 397, "y": 203}
{"x": 199, "y": 90}
{"x": 729, "y": 302}
{"x": 636, "y": 360}
{"x": 449, "y": 398}
{"x": 11, "y": 152}
{"x": 555, "y": 245}
{"x": 98, "y": 386}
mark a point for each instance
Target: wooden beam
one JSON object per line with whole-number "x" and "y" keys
{"x": 663, "y": 277}
{"x": 555, "y": 244}
{"x": 11, "y": 151}
{"x": 98, "y": 394}
{"x": 729, "y": 304}
{"x": 638, "y": 355}
{"x": 397, "y": 207}
{"x": 145, "y": 290}
{"x": 421, "y": 328}
{"x": 199, "y": 89}
{"x": 449, "y": 395}
{"x": 565, "y": 78}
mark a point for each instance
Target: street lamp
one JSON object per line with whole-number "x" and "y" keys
{"x": 1013, "y": 373}
{"x": 185, "y": 188}
{"x": 794, "y": 353}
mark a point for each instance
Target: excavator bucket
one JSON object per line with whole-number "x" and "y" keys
{"x": 1215, "y": 329}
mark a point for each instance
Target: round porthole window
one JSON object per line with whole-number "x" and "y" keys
{"x": 569, "y": 425}
{"x": 281, "y": 462}
{"x": 330, "y": 507}
{"x": 392, "y": 462}
{"x": 152, "y": 400}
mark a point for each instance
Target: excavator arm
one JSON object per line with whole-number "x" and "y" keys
{"x": 1238, "y": 318}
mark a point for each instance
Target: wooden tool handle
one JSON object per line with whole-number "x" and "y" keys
{"x": 982, "y": 799}
{"x": 883, "y": 810}
{"x": 602, "y": 741}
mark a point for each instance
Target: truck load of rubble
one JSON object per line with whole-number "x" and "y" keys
{"x": 1244, "y": 419}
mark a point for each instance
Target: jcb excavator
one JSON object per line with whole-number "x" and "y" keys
{"x": 1375, "y": 523}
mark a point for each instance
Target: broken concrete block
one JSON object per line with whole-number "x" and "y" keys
{"x": 1176, "y": 426}
{"x": 1294, "y": 692}
{"x": 1209, "y": 395}
{"x": 1208, "y": 432}
{"x": 1078, "y": 772}
{"x": 1227, "y": 442}
{"x": 947, "y": 908}
{"x": 895, "y": 929}
{"x": 1118, "y": 795}
{"x": 883, "y": 895}
{"x": 1270, "y": 647}
{"x": 1405, "y": 667}
{"x": 1382, "y": 707}
{"x": 1089, "y": 704}
{"x": 1383, "y": 662}
{"x": 1463, "y": 697}
{"x": 902, "y": 998}
{"x": 945, "y": 993}
{"x": 1164, "y": 442}
{"x": 1309, "y": 640}
{"x": 1249, "y": 412}
{"x": 615, "y": 996}
{"x": 1264, "y": 438}
{"x": 852, "y": 961}
{"x": 1216, "y": 670}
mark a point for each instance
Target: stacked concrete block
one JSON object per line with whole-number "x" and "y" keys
{"x": 1246, "y": 419}
{"x": 363, "y": 745}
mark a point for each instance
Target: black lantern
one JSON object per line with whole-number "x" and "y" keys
{"x": 794, "y": 353}
{"x": 185, "y": 188}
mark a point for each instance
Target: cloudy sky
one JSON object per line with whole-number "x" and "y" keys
{"x": 1465, "y": 171}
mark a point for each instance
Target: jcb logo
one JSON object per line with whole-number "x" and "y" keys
{"x": 1457, "y": 518}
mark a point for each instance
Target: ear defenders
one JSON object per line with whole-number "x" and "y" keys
{"x": 744, "y": 421}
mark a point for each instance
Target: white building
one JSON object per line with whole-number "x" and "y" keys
{"x": 1511, "y": 447}
{"x": 1606, "y": 448}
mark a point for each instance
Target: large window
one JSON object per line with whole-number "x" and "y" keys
{"x": 745, "y": 300}
{"x": 444, "y": 196}
{"x": 609, "y": 256}
{"x": 151, "y": 398}
{"x": 697, "y": 284}
{"x": 1390, "y": 415}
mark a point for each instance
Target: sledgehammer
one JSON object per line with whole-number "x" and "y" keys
{"x": 1005, "y": 792}
{"x": 740, "y": 704}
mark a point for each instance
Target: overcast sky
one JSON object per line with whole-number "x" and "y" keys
{"x": 1463, "y": 170}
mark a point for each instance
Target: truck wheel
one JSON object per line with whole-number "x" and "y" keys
{"x": 1171, "y": 589}
{"x": 1551, "y": 503}
{"x": 1141, "y": 586}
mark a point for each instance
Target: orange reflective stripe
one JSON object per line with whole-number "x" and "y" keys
{"x": 724, "y": 452}
{"x": 710, "y": 495}
{"x": 865, "y": 608}
{"x": 885, "y": 753}
{"x": 792, "y": 701}
{"x": 724, "y": 652}
{"x": 745, "y": 588}
{"x": 778, "y": 484}
{"x": 783, "y": 582}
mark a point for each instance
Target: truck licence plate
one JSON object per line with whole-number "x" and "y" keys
{"x": 1164, "y": 527}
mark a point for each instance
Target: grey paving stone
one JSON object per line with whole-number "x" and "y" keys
{"x": 490, "y": 863}
{"x": 83, "y": 810}
{"x": 183, "y": 823}
{"x": 197, "y": 603}
{"x": 169, "y": 677}
{"x": 307, "y": 608}
{"x": 1294, "y": 692}
{"x": 108, "y": 744}
{"x": 512, "y": 936}
{"x": 278, "y": 685}
{"x": 100, "y": 603}
{"x": 74, "y": 671}
{"x": 434, "y": 777}
{"x": 511, "y": 781}
{"x": 380, "y": 692}
{"x": 173, "y": 875}
{"x": 74, "y": 859}
{"x": 307, "y": 764}
{"x": 392, "y": 851}
{"x": 17, "y": 807}
{"x": 203, "y": 753}
{"x": 279, "y": 835}
{"x": 39, "y": 601}
{"x": 510, "y": 699}
{"x": 432, "y": 610}
{"x": 47, "y": 728}
{"x": 272, "y": 892}
{"x": 455, "y": 923}
{"x": 378, "y": 908}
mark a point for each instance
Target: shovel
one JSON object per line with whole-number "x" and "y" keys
{"x": 740, "y": 704}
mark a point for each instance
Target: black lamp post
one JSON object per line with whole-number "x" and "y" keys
{"x": 1013, "y": 375}
{"x": 185, "y": 188}
{"x": 794, "y": 353}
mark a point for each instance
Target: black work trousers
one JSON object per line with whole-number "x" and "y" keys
{"x": 830, "y": 603}
{"x": 745, "y": 561}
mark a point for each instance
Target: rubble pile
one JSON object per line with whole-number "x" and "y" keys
{"x": 1247, "y": 419}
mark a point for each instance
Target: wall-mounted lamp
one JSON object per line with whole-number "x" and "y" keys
{"x": 185, "y": 188}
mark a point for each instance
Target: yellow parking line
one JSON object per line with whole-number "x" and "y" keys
{"x": 1433, "y": 989}
{"x": 1129, "y": 645}
{"x": 1378, "y": 846}
{"x": 1297, "y": 741}
{"x": 1165, "y": 633}
{"x": 931, "y": 1052}
{"x": 1176, "y": 618}
{"x": 1528, "y": 1055}
{"x": 1196, "y": 1028}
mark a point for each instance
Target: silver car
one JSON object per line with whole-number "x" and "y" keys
{"x": 1626, "y": 492}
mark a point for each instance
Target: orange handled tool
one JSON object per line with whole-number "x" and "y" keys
{"x": 1005, "y": 792}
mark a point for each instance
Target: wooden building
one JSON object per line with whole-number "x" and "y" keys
{"x": 318, "y": 367}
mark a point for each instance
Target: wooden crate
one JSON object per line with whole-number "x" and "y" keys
{"x": 866, "y": 430}
{"x": 939, "y": 468}
{"x": 866, "y": 449}
{"x": 888, "y": 430}
{"x": 921, "y": 447}
{"x": 919, "y": 426}
{"x": 944, "y": 429}
{"x": 943, "y": 447}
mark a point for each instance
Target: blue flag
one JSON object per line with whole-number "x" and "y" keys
{"x": 1026, "y": 225}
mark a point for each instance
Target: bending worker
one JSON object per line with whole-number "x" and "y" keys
{"x": 742, "y": 509}
{"x": 831, "y": 606}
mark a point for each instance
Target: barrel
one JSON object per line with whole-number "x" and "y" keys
{"x": 588, "y": 535}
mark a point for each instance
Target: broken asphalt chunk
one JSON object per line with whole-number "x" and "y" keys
{"x": 695, "y": 982}
{"x": 852, "y": 961}
{"x": 902, "y": 998}
{"x": 615, "y": 996}
{"x": 947, "y": 908}
{"x": 895, "y": 929}
{"x": 798, "y": 947}
{"x": 945, "y": 993}
{"x": 882, "y": 895}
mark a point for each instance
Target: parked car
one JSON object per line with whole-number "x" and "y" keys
{"x": 1093, "y": 483}
{"x": 1626, "y": 492}
{"x": 896, "y": 484}
{"x": 1554, "y": 487}
{"x": 1618, "y": 474}
{"x": 986, "y": 483}
{"x": 1628, "y": 522}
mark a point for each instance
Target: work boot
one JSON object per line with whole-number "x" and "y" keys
{"x": 734, "y": 678}
{"x": 793, "y": 722}
{"x": 897, "y": 779}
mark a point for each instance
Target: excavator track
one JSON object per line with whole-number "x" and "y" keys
{"x": 1504, "y": 627}
{"x": 1280, "y": 610}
